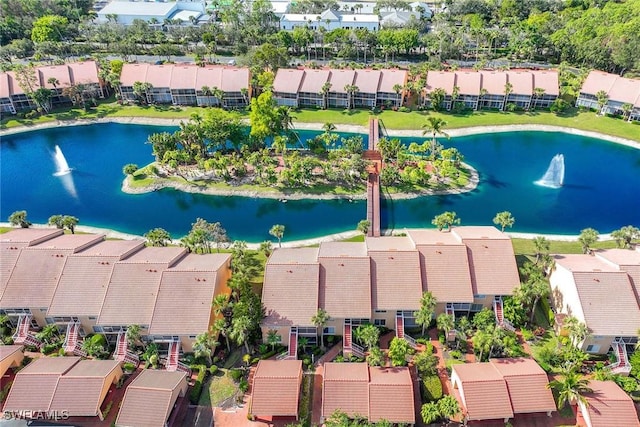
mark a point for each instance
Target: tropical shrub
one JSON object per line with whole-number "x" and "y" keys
{"x": 196, "y": 390}
{"x": 431, "y": 388}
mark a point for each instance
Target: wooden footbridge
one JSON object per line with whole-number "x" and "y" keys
{"x": 373, "y": 182}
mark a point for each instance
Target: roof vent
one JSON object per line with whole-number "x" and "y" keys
{"x": 390, "y": 257}
{"x": 439, "y": 252}
{"x": 341, "y": 265}
{"x": 596, "y": 280}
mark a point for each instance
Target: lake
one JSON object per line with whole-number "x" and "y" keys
{"x": 601, "y": 187}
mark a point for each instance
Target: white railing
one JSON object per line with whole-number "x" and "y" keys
{"x": 412, "y": 342}
{"x": 507, "y": 325}
{"x": 184, "y": 368}
{"x": 357, "y": 350}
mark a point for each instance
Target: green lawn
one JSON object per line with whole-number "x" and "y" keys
{"x": 526, "y": 246}
{"x": 415, "y": 120}
{"x": 391, "y": 119}
{"x": 220, "y": 388}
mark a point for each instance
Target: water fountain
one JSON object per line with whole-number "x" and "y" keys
{"x": 62, "y": 167}
{"x": 64, "y": 172}
{"x": 554, "y": 176}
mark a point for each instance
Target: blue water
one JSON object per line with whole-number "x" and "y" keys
{"x": 602, "y": 187}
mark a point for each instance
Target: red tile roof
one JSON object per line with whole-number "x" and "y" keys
{"x": 288, "y": 80}
{"x": 396, "y": 283}
{"x": 527, "y": 385}
{"x": 210, "y": 77}
{"x": 345, "y": 387}
{"x": 289, "y": 273}
{"x": 340, "y": 78}
{"x": 184, "y": 77}
{"x": 314, "y": 80}
{"x": 468, "y": 82}
{"x": 547, "y": 80}
{"x": 276, "y": 388}
{"x": 493, "y": 82}
{"x": 521, "y": 82}
{"x": 597, "y": 81}
{"x": 447, "y": 274}
{"x": 345, "y": 286}
{"x": 183, "y": 306}
{"x": 149, "y": 399}
{"x": 595, "y": 281}
{"x": 159, "y": 75}
{"x": 235, "y": 79}
{"x": 390, "y": 78}
{"x": 391, "y": 395}
{"x": 84, "y": 72}
{"x": 491, "y": 259}
{"x": 132, "y": 73}
{"x": 440, "y": 80}
{"x": 367, "y": 81}
{"x": 59, "y": 72}
{"x": 483, "y": 391}
{"x": 609, "y": 406}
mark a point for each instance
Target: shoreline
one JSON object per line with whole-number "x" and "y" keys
{"x": 456, "y": 132}
{"x": 114, "y": 234}
{"x": 187, "y": 187}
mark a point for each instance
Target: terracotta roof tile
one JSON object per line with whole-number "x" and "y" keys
{"x": 491, "y": 260}
{"x": 597, "y": 81}
{"x": 447, "y": 274}
{"x": 288, "y": 80}
{"x": 396, "y": 282}
{"x": 291, "y": 274}
{"x": 610, "y": 406}
{"x": 345, "y": 286}
{"x": 132, "y": 73}
{"x": 521, "y": 82}
{"x": 149, "y": 399}
{"x": 159, "y": 75}
{"x": 367, "y": 81}
{"x": 314, "y": 80}
{"x": 209, "y": 76}
{"x": 340, "y": 78}
{"x": 547, "y": 80}
{"x": 82, "y": 389}
{"x": 391, "y": 395}
{"x": 235, "y": 79}
{"x": 183, "y": 306}
{"x": 345, "y": 387}
{"x": 342, "y": 249}
{"x": 440, "y": 80}
{"x": 276, "y": 388}
{"x": 390, "y": 78}
{"x": 468, "y": 82}
{"x": 527, "y": 385}
{"x": 5, "y": 85}
{"x": 85, "y": 277}
{"x": 59, "y": 72}
{"x": 184, "y": 77}
{"x": 84, "y": 72}
{"x": 131, "y": 294}
{"x": 484, "y": 392}
{"x": 7, "y": 351}
{"x": 493, "y": 82}
{"x": 29, "y": 236}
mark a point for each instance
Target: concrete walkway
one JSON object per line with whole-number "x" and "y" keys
{"x": 316, "y": 403}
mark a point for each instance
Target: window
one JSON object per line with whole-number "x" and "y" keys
{"x": 381, "y": 311}
{"x": 480, "y": 296}
{"x": 329, "y": 330}
{"x": 592, "y": 348}
{"x": 380, "y": 322}
{"x": 92, "y": 317}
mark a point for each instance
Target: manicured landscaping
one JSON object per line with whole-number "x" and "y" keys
{"x": 526, "y": 246}
{"x": 220, "y": 388}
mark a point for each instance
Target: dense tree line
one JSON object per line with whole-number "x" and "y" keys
{"x": 591, "y": 33}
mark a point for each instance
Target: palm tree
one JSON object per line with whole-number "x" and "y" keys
{"x": 133, "y": 335}
{"x": 220, "y": 304}
{"x": 273, "y": 338}
{"x": 240, "y": 327}
{"x": 430, "y": 412}
{"x": 49, "y": 334}
{"x": 206, "y": 91}
{"x": 538, "y": 93}
{"x": 220, "y": 327}
{"x": 324, "y": 91}
{"x": 448, "y": 407}
{"x": 508, "y": 88}
{"x": 218, "y": 94}
{"x": 53, "y": 82}
{"x": 425, "y": 313}
{"x": 277, "y": 231}
{"x": 446, "y": 323}
{"x": 587, "y": 237}
{"x": 542, "y": 246}
{"x": 577, "y": 330}
{"x": 320, "y": 319}
{"x": 602, "y": 98}
{"x": 70, "y": 223}
{"x": 205, "y": 346}
{"x": 434, "y": 126}
{"x": 504, "y": 219}
{"x": 158, "y": 237}
{"x": 19, "y": 218}
{"x": 626, "y": 110}
{"x": 570, "y": 388}
{"x": 351, "y": 91}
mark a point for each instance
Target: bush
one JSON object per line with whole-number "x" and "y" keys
{"x": 634, "y": 360}
{"x": 243, "y": 386}
{"x": 456, "y": 354}
{"x": 213, "y": 369}
{"x": 129, "y": 367}
{"x": 51, "y": 348}
{"x": 196, "y": 390}
{"x": 404, "y": 109}
{"x": 5, "y": 391}
{"x": 431, "y": 388}
{"x": 236, "y": 374}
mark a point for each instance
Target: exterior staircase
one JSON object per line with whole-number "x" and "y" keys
{"x": 122, "y": 352}
{"x": 292, "y": 351}
{"x": 450, "y": 311}
{"x": 399, "y": 324}
{"x": 23, "y": 335}
{"x": 347, "y": 338}
{"x": 400, "y": 330}
{"x": 621, "y": 365}
{"x": 498, "y": 310}
{"x": 172, "y": 356}
{"x": 71, "y": 338}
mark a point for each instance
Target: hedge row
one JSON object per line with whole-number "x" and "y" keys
{"x": 431, "y": 388}
{"x": 196, "y": 390}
